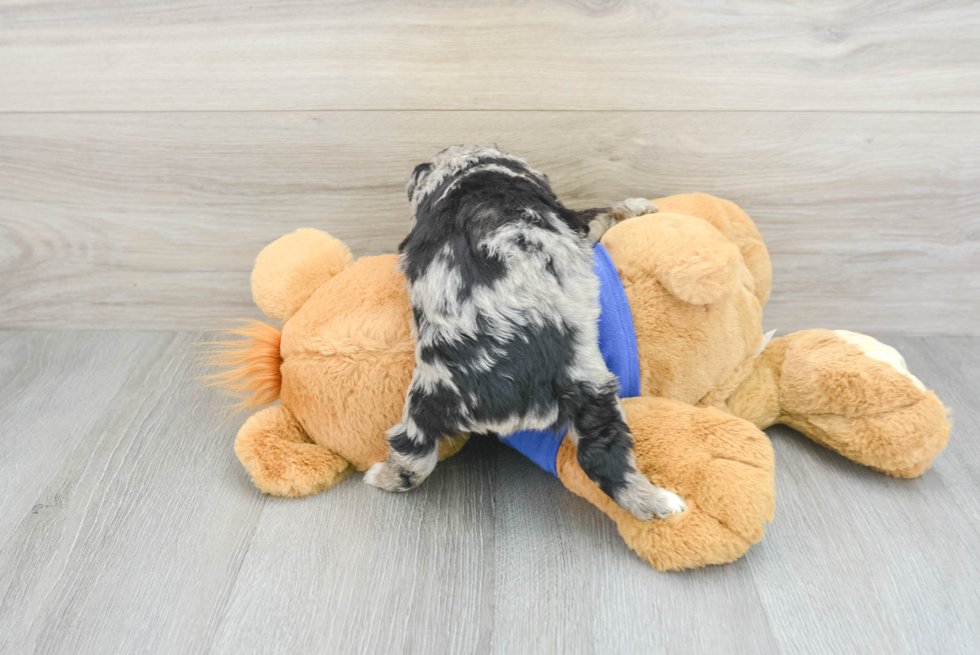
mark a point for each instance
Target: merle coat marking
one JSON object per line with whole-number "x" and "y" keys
{"x": 505, "y": 308}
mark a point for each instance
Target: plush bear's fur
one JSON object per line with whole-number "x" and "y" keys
{"x": 696, "y": 274}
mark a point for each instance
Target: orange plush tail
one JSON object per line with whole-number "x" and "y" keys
{"x": 251, "y": 364}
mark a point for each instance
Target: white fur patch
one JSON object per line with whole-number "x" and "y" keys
{"x": 882, "y": 352}
{"x": 766, "y": 338}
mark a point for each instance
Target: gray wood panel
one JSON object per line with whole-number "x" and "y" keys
{"x": 138, "y": 530}
{"x": 40, "y": 375}
{"x": 145, "y": 535}
{"x": 574, "y": 54}
{"x": 152, "y": 220}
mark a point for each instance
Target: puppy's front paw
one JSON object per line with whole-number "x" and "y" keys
{"x": 668, "y": 503}
{"x": 387, "y": 476}
{"x": 644, "y": 500}
{"x": 401, "y": 473}
{"x": 632, "y": 207}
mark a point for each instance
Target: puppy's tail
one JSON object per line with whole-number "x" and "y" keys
{"x": 251, "y": 364}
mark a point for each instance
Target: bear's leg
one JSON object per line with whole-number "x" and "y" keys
{"x": 282, "y": 459}
{"x": 855, "y": 395}
{"x": 721, "y": 465}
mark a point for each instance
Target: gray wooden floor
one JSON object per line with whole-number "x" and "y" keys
{"x": 128, "y": 526}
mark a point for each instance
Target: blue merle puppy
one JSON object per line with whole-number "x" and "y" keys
{"x": 505, "y": 308}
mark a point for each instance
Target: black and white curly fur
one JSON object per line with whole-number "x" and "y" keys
{"x": 505, "y": 308}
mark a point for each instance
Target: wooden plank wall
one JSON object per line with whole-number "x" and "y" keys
{"x": 149, "y": 149}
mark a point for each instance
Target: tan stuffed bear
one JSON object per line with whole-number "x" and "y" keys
{"x": 696, "y": 276}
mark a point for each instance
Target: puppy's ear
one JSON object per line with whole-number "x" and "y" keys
{"x": 416, "y": 177}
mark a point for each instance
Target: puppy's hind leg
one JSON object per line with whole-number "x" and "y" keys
{"x": 605, "y": 453}
{"x": 412, "y": 456}
{"x": 602, "y": 220}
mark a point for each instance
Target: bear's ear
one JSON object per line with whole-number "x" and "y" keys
{"x": 700, "y": 273}
{"x": 291, "y": 268}
{"x": 691, "y": 259}
{"x": 735, "y": 225}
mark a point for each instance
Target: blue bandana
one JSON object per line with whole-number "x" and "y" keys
{"x": 617, "y": 343}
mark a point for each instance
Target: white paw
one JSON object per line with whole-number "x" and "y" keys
{"x": 371, "y": 476}
{"x": 882, "y": 352}
{"x": 670, "y": 503}
{"x": 632, "y": 207}
{"x": 384, "y": 476}
{"x": 645, "y": 501}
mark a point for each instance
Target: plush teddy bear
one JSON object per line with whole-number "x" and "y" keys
{"x": 692, "y": 278}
